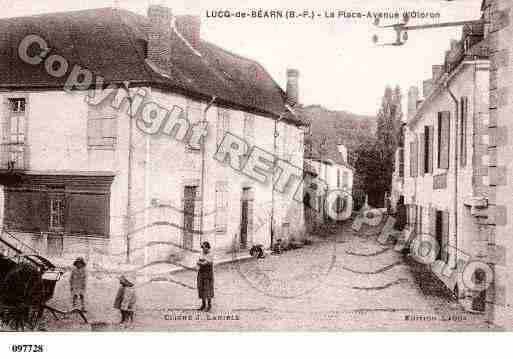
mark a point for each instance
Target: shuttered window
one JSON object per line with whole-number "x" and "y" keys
{"x": 445, "y": 237}
{"x": 345, "y": 179}
{"x": 87, "y": 214}
{"x": 463, "y": 130}
{"x": 401, "y": 162}
{"x": 444, "y": 125}
{"x": 221, "y": 206}
{"x": 430, "y": 132}
{"x": 27, "y": 211}
{"x": 419, "y": 220}
{"x": 14, "y": 130}
{"x": 441, "y": 229}
{"x": 422, "y": 153}
{"x": 414, "y": 158}
{"x": 427, "y": 141}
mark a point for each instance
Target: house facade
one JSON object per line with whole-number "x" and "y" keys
{"x": 440, "y": 166}
{"x": 169, "y": 143}
{"x": 333, "y": 185}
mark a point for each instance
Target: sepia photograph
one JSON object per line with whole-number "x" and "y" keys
{"x": 171, "y": 166}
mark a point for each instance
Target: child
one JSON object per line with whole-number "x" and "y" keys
{"x": 205, "y": 281}
{"x": 78, "y": 282}
{"x": 126, "y": 298}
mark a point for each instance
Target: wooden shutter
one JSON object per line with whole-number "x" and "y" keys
{"x": 412, "y": 159}
{"x": 444, "y": 134}
{"x": 27, "y": 211}
{"x": 445, "y": 236}
{"x": 422, "y": 153}
{"x": 419, "y": 219}
{"x": 432, "y": 222}
{"x": 221, "y": 216}
{"x": 110, "y": 131}
{"x": 87, "y": 214}
{"x": 431, "y": 134}
{"x": 463, "y": 131}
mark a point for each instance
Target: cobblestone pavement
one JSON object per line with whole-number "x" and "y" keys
{"x": 344, "y": 283}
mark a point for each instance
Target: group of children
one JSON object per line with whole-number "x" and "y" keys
{"x": 126, "y": 297}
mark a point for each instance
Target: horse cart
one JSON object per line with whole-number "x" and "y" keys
{"x": 27, "y": 283}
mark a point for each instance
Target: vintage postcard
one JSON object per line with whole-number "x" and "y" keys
{"x": 171, "y": 166}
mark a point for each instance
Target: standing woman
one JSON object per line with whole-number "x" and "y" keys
{"x": 205, "y": 281}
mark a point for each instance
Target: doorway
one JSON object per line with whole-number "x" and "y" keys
{"x": 55, "y": 241}
{"x": 189, "y": 207}
{"x": 246, "y": 217}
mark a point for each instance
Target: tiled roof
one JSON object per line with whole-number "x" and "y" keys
{"x": 110, "y": 43}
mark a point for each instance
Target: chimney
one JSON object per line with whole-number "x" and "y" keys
{"x": 189, "y": 27}
{"x": 437, "y": 71}
{"x": 413, "y": 98}
{"x": 427, "y": 87}
{"x": 160, "y": 35}
{"x": 292, "y": 86}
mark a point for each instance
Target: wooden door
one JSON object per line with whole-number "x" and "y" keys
{"x": 190, "y": 193}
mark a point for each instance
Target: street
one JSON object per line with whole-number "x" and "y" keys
{"x": 346, "y": 282}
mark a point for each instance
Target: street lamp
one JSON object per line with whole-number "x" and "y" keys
{"x": 402, "y": 29}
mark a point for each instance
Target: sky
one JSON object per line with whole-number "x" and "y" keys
{"x": 340, "y": 67}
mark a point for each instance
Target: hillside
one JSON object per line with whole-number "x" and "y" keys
{"x": 338, "y": 127}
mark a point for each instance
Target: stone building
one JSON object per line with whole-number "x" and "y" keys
{"x": 499, "y": 30}
{"x": 128, "y": 138}
{"x": 441, "y": 164}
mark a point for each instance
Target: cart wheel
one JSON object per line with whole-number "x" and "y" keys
{"x": 23, "y": 298}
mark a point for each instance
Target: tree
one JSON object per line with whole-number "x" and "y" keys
{"x": 375, "y": 158}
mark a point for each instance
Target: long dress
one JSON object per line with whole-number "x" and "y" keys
{"x": 205, "y": 281}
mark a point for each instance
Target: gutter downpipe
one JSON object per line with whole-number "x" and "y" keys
{"x": 129, "y": 174}
{"x": 275, "y": 149}
{"x": 456, "y": 122}
{"x": 203, "y": 167}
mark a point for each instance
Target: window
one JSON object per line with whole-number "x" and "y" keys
{"x": 14, "y": 139}
{"x": 74, "y": 213}
{"x": 443, "y": 139}
{"x": 57, "y": 212}
{"x": 442, "y": 235}
{"x": 287, "y": 150}
{"x": 419, "y": 219}
{"x": 463, "y": 130}
{"x": 221, "y": 216}
{"x": 249, "y": 128}
{"x": 428, "y": 149}
{"x": 345, "y": 179}
{"x": 223, "y": 124}
{"x": 414, "y": 158}
{"x": 17, "y": 105}
{"x": 401, "y": 162}
{"x": 338, "y": 178}
{"x": 102, "y": 132}
{"x": 102, "y": 125}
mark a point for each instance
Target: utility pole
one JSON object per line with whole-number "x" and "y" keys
{"x": 275, "y": 137}
{"x": 129, "y": 174}
{"x": 203, "y": 168}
